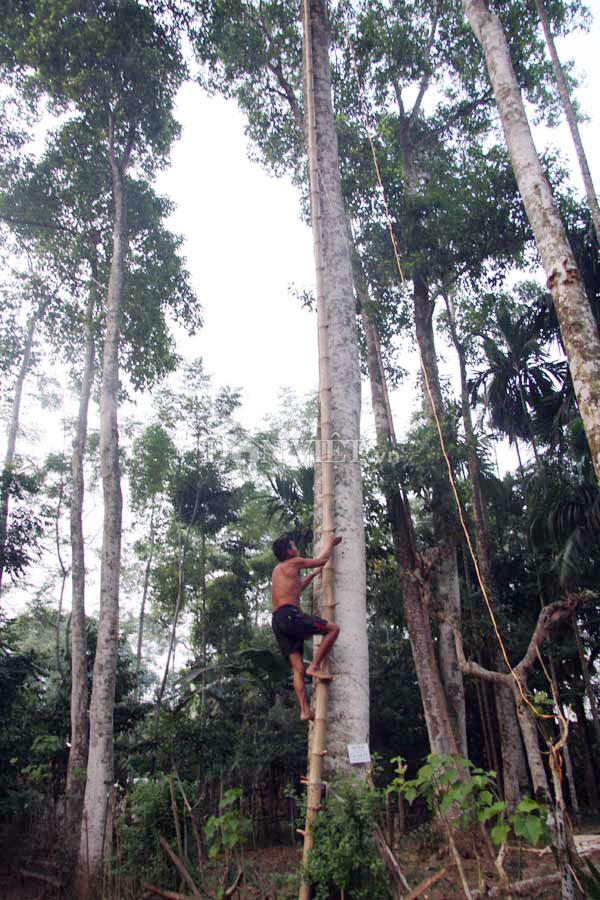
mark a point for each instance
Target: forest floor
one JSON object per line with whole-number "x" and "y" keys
{"x": 272, "y": 873}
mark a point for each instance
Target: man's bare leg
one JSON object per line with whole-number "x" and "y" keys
{"x": 329, "y": 639}
{"x": 298, "y": 670}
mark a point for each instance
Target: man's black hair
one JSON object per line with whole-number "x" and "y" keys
{"x": 281, "y": 546}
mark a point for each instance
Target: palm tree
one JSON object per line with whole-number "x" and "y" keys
{"x": 519, "y": 377}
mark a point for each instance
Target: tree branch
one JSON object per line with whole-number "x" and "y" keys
{"x": 550, "y": 616}
{"x": 34, "y": 223}
{"x": 463, "y": 109}
{"x": 427, "y": 66}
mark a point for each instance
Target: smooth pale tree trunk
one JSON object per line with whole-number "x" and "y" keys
{"x": 513, "y": 762}
{"x": 63, "y": 573}
{"x": 445, "y": 520}
{"x": 96, "y": 840}
{"x": 571, "y": 118}
{"x": 183, "y": 542}
{"x": 578, "y": 327}
{"x": 79, "y": 687}
{"x": 147, "y": 571}
{"x": 13, "y": 429}
{"x": 349, "y": 692}
{"x": 413, "y": 583}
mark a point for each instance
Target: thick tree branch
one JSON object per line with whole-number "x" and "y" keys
{"x": 426, "y": 65}
{"x": 549, "y": 617}
{"x": 463, "y": 110}
{"x": 35, "y": 223}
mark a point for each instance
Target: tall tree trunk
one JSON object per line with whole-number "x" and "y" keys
{"x": 566, "y": 749}
{"x": 95, "y": 840}
{"x": 571, "y": 118}
{"x": 79, "y": 687}
{"x": 510, "y": 741}
{"x": 514, "y": 767}
{"x": 147, "y": 571}
{"x": 183, "y": 540}
{"x": 349, "y": 693}
{"x": 63, "y": 572}
{"x": 578, "y": 327}
{"x": 414, "y": 585}
{"x": 445, "y": 520}
{"x": 13, "y": 429}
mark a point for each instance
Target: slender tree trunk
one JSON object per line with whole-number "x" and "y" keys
{"x": 566, "y": 750}
{"x": 514, "y": 767}
{"x": 578, "y": 327}
{"x": 13, "y": 429}
{"x": 203, "y": 603}
{"x": 79, "y": 686}
{"x": 63, "y": 573}
{"x": 445, "y": 520}
{"x": 147, "y": 571}
{"x": 510, "y": 741}
{"x": 532, "y": 747}
{"x": 182, "y": 547}
{"x": 571, "y": 118}
{"x": 414, "y": 583}
{"x": 95, "y": 840}
{"x": 349, "y": 693}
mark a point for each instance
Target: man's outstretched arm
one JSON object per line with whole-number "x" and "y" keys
{"x": 318, "y": 561}
{"x": 306, "y": 581}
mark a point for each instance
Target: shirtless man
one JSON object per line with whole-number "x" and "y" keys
{"x": 290, "y": 624}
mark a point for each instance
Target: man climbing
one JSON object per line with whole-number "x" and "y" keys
{"x": 290, "y": 625}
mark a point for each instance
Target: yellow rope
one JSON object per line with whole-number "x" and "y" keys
{"x": 430, "y": 395}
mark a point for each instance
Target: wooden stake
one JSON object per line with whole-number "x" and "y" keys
{"x": 317, "y": 732}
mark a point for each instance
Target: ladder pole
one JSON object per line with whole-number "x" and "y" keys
{"x": 318, "y": 729}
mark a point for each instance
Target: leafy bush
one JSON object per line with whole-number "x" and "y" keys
{"x": 147, "y": 818}
{"x": 464, "y": 794}
{"x": 345, "y": 860}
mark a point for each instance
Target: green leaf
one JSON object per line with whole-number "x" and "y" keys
{"x": 410, "y": 794}
{"x": 527, "y": 805}
{"x": 500, "y": 833}
{"x": 490, "y": 811}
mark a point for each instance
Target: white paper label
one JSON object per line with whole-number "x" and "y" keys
{"x": 358, "y": 753}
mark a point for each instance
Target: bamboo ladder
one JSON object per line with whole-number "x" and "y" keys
{"x": 318, "y": 729}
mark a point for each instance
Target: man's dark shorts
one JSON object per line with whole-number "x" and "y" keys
{"x": 291, "y": 627}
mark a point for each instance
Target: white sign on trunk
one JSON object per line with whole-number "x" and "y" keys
{"x": 358, "y": 753}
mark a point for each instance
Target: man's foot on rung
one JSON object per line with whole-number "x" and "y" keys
{"x": 307, "y": 716}
{"x": 316, "y": 673}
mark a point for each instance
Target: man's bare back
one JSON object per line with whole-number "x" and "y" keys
{"x": 290, "y": 625}
{"x": 286, "y": 584}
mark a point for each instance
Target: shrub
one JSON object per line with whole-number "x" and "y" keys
{"x": 344, "y": 860}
